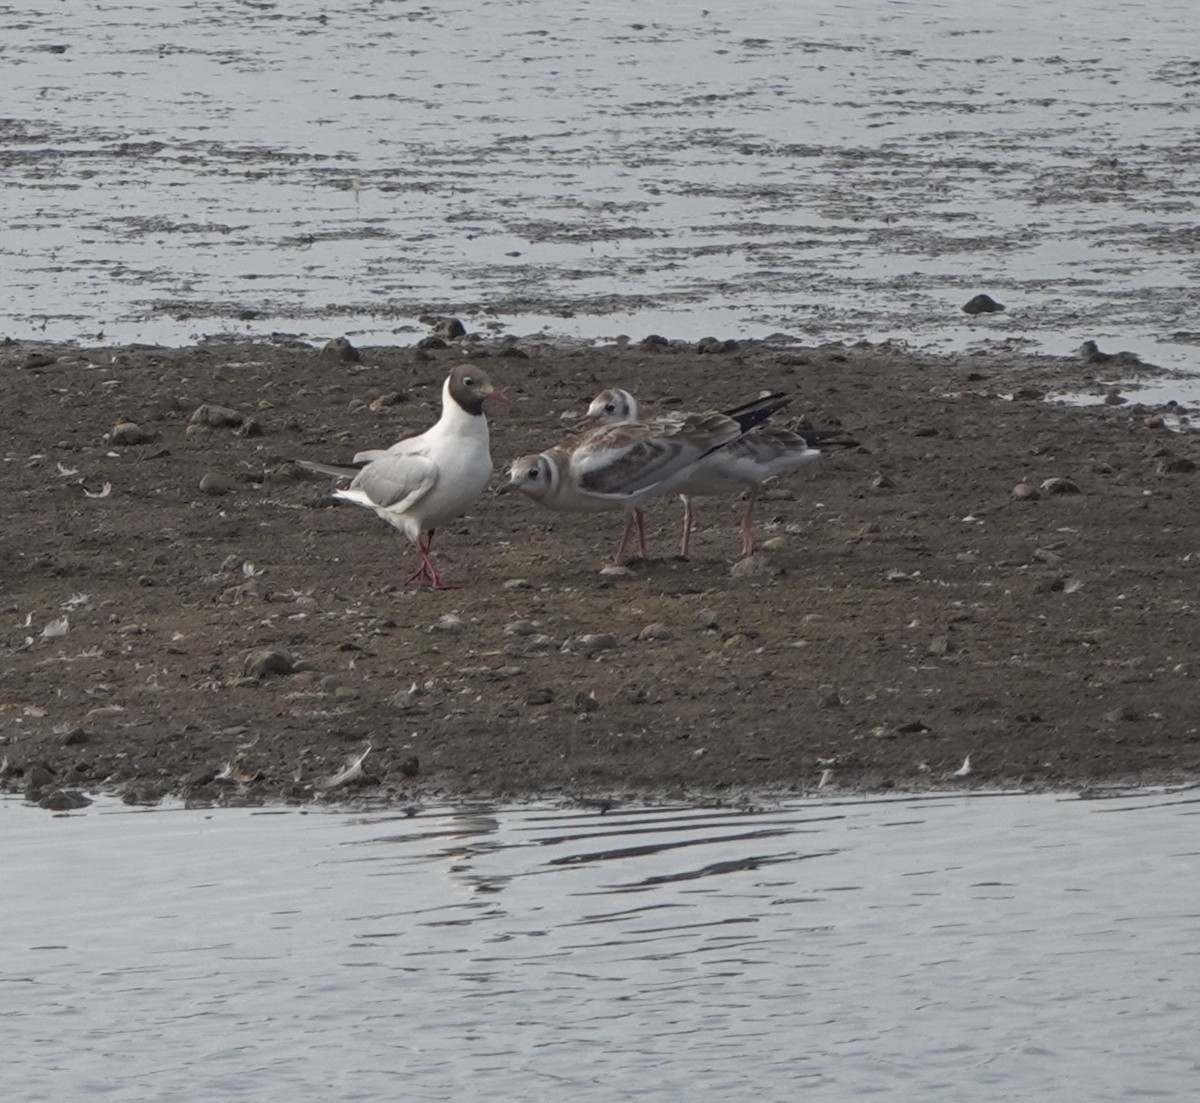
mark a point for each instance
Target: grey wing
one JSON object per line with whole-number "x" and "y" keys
{"x": 636, "y": 456}
{"x": 396, "y": 482}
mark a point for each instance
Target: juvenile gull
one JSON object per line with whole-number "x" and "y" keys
{"x": 622, "y": 465}
{"x": 764, "y": 452}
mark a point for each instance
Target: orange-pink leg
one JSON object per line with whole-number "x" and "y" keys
{"x": 634, "y": 518}
{"x": 689, "y": 522}
{"x": 748, "y": 525}
{"x": 427, "y": 572}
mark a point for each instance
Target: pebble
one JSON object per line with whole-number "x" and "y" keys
{"x": 542, "y": 642}
{"x": 448, "y": 623}
{"x": 63, "y": 800}
{"x": 126, "y": 432}
{"x": 266, "y": 662}
{"x": 216, "y": 417}
{"x": 592, "y": 642}
{"x": 1115, "y": 398}
{"x": 982, "y": 304}
{"x": 586, "y": 702}
{"x": 1124, "y": 713}
{"x": 517, "y": 584}
{"x": 1060, "y": 486}
{"x": 708, "y": 618}
{"x": 616, "y": 570}
{"x": 341, "y": 350}
{"x": 754, "y": 566}
{"x": 1176, "y": 465}
{"x": 1154, "y": 421}
{"x": 216, "y": 485}
{"x": 542, "y": 696}
{"x": 520, "y": 628}
{"x": 1025, "y": 492}
{"x": 939, "y": 645}
{"x": 392, "y": 398}
{"x": 880, "y": 481}
{"x": 656, "y": 631}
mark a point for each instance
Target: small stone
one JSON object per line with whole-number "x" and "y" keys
{"x": 831, "y": 700}
{"x": 38, "y": 778}
{"x": 585, "y": 702}
{"x": 654, "y": 341}
{"x": 38, "y": 360}
{"x": 773, "y": 543}
{"x": 127, "y": 433}
{"x": 391, "y": 398}
{"x": 939, "y": 645}
{"x": 542, "y": 642}
{"x": 880, "y": 481}
{"x": 1029, "y": 394}
{"x": 926, "y": 431}
{"x": 1025, "y": 492}
{"x": 714, "y": 345}
{"x": 433, "y": 341}
{"x": 1126, "y": 713}
{"x": 63, "y": 800}
{"x": 739, "y": 641}
{"x": 757, "y": 565}
{"x": 517, "y": 584}
{"x": 541, "y": 696}
{"x": 982, "y": 304}
{"x": 708, "y": 618}
{"x": 1115, "y": 398}
{"x": 409, "y": 767}
{"x": 267, "y": 662}
{"x": 617, "y": 570}
{"x": 1050, "y": 558}
{"x": 216, "y": 417}
{"x": 1176, "y": 465}
{"x": 520, "y": 628}
{"x": 448, "y": 623}
{"x": 1154, "y": 421}
{"x": 341, "y": 350}
{"x": 1061, "y": 486}
{"x": 250, "y": 427}
{"x": 75, "y": 737}
{"x": 216, "y": 485}
{"x": 656, "y": 631}
{"x": 592, "y": 642}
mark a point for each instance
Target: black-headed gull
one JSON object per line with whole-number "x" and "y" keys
{"x": 743, "y": 465}
{"x": 622, "y": 465}
{"x": 423, "y": 482}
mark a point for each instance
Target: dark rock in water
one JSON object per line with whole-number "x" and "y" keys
{"x": 654, "y": 341}
{"x": 431, "y": 342}
{"x": 982, "y": 304}
{"x": 713, "y": 345}
{"x": 450, "y": 328}
{"x": 37, "y": 779}
{"x": 341, "y": 350}
{"x": 1029, "y": 394}
{"x": 63, "y": 800}
{"x": 1115, "y": 398}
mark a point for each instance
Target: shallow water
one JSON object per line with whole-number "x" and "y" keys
{"x": 830, "y": 170}
{"x": 935, "y": 948}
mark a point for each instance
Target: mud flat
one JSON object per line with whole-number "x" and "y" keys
{"x": 185, "y": 612}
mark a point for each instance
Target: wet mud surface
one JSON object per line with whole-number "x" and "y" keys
{"x": 244, "y": 640}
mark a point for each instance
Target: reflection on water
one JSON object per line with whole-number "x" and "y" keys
{"x": 1016, "y": 948}
{"x": 833, "y": 170}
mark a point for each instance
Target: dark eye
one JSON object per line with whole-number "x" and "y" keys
{"x": 610, "y": 408}
{"x": 468, "y": 381}
{"x": 533, "y": 474}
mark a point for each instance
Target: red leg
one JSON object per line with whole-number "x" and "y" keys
{"x": 641, "y": 527}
